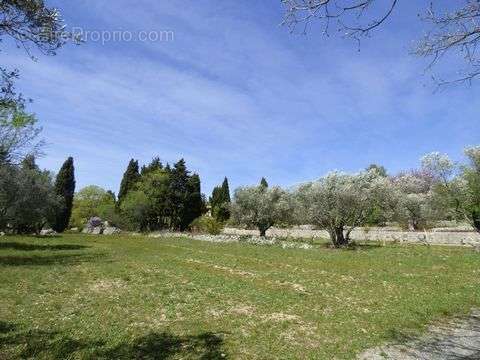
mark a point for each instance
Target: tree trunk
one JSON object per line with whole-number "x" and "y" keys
{"x": 476, "y": 222}
{"x": 338, "y": 238}
{"x": 263, "y": 232}
{"x": 413, "y": 225}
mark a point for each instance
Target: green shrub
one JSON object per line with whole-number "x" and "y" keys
{"x": 207, "y": 224}
{"x": 89, "y": 202}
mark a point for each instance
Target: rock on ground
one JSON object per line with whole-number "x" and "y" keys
{"x": 111, "y": 230}
{"x": 457, "y": 340}
{"x": 48, "y": 232}
{"x": 97, "y": 226}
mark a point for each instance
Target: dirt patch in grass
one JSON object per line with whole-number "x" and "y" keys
{"x": 107, "y": 286}
{"x": 243, "y": 310}
{"x": 280, "y": 317}
{"x": 224, "y": 268}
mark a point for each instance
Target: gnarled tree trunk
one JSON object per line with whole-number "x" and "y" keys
{"x": 263, "y": 231}
{"x": 476, "y": 220}
{"x": 338, "y": 237}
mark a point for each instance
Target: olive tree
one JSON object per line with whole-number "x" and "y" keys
{"x": 261, "y": 207}
{"x": 414, "y": 198}
{"x": 341, "y": 202}
{"x": 459, "y": 194}
{"x": 28, "y": 200}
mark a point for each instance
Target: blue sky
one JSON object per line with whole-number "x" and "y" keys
{"x": 237, "y": 95}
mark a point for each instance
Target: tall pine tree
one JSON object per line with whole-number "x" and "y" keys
{"x": 130, "y": 178}
{"x": 65, "y": 188}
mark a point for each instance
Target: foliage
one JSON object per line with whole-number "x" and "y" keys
{"x": 381, "y": 171}
{"x": 9, "y": 99}
{"x": 185, "y": 199}
{"x": 130, "y": 178}
{"x": 207, "y": 224}
{"x": 136, "y": 209}
{"x": 194, "y": 202}
{"x": 154, "y": 165}
{"x": 31, "y": 22}
{"x": 261, "y": 207}
{"x": 460, "y": 194}
{"x": 220, "y": 202}
{"x": 18, "y": 134}
{"x": 65, "y": 188}
{"x": 28, "y": 200}
{"x": 414, "y": 199}
{"x": 264, "y": 183}
{"x": 163, "y": 198}
{"x": 155, "y": 187}
{"x": 89, "y": 202}
{"x": 341, "y": 202}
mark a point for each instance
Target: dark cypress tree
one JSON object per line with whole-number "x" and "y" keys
{"x": 264, "y": 183}
{"x": 220, "y": 202}
{"x": 65, "y": 188}
{"x": 226, "y": 190}
{"x": 130, "y": 178}
{"x": 194, "y": 205}
{"x": 178, "y": 194}
{"x": 224, "y": 213}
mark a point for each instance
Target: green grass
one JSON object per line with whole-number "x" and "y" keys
{"x": 133, "y": 297}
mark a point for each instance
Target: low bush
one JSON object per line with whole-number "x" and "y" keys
{"x": 207, "y": 224}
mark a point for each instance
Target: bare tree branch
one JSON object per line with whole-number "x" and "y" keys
{"x": 456, "y": 32}
{"x": 349, "y": 16}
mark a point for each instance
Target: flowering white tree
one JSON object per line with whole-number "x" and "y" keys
{"x": 341, "y": 202}
{"x": 261, "y": 207}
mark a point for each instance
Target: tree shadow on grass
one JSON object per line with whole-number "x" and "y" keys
{"x": 6, "y": 327}
{"x": 34, "y": 344}
{"x": 34, "y": 247}
{"x": 206, "y": 346}
{"x": 55, "y": 345}
{"x": 37, "y": 260}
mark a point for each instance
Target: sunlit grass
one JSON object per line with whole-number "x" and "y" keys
{"x": 134, "y": 297}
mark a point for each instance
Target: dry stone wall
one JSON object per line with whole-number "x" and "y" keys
{"x": 434, "y": 236}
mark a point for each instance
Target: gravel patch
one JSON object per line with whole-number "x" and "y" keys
{"x": 457, "y": 340}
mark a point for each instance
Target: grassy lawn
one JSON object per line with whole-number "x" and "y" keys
{"x": 134, "y": 297}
